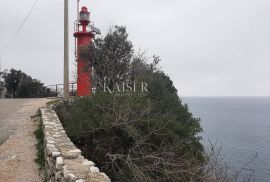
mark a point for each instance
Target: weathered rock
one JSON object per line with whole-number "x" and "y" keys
{"x": 59, "y": 163}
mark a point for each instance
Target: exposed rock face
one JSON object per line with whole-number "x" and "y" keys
{"x": 64, "y": 162}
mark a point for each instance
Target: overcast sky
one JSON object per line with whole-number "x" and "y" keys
{"x": 207, "y": 47}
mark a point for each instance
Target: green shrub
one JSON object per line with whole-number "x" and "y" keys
{"x": 40, "y": 159}
{"x": 131, "y": 139}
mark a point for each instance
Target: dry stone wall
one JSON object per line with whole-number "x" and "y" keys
{"x": 63, "y": 161}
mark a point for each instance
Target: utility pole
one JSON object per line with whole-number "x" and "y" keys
{"x": 66, "y": 52}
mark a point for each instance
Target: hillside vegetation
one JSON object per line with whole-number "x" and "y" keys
{"x": 135, "y": 138}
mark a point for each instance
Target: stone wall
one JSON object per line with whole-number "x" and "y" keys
{"x": 63, "y": 161}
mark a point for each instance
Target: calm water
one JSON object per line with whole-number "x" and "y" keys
{"x": 241, "y": 125}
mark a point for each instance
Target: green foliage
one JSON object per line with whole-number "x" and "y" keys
{"x": 1, "y": 83}
{"x": 111, "y": 56}
{"x": 20, "y": 85}
{"x": 150, "y": 138}
{"x": 40, "y": 159}
{"x": 52, "y": 102}
{"x": 131, "y": 139}
{"x": 166, "y": 101}
{"x": 1, "y": 87}
{"x": 137, "y": 138}
{"x": 12, "y": 80}
{"x": 40, "y": 155}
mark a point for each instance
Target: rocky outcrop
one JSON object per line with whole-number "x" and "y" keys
{"x": 63, "y": 161}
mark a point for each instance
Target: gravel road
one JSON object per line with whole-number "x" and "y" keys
{"x": 17, "y": 151}
{"x": 8, "y": 107}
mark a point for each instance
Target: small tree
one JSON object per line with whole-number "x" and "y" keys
{"x": 12, "y": 79}
{"x": 19, "y": 84}
{"x": 111, "y": 56}
{"x": 30, "y": 88}
{"x": 1, "y": 88}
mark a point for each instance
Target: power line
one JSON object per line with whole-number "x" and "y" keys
{"x": 14, "y": 36}
{"x": 20, "y": 27}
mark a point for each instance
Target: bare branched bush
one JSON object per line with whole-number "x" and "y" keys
{"x": 215, "y": 168}
{"x": 130, "y": 141}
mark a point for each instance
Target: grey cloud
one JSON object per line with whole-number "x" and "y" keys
{"x": 210, "y": 47}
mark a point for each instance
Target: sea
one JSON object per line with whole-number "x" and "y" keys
{"x": 241, "y": 126}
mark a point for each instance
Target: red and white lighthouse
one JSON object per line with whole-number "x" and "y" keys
{"x": 84, "y": 33}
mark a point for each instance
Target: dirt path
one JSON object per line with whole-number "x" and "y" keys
{"x": 8, "y": 107}
{"x": 18, "y": 153}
